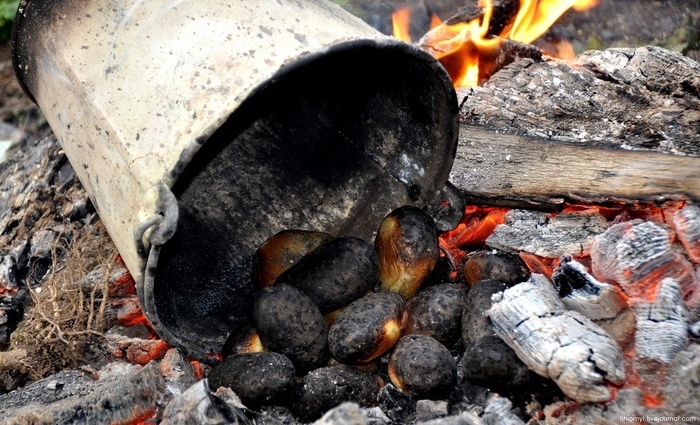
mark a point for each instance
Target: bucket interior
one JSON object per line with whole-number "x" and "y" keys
{"x": 331, "y": 144}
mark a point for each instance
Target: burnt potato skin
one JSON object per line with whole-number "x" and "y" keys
{"x": 257, "y": 378}
{"x": 336, "y": 273}
{"x": 282, "y": 250}
{"x": 436, "y": 311}
{"x": 487, "y": 359}
{"x": 408, "y": 249}
{"x": 327, "y": 387}
{"x": 244, "y": 339}
{"x": 368, "y": 328}
{"x": 288, "y": 322}
{"x": 489, "y": 265}
{"x": 422, "y": 367}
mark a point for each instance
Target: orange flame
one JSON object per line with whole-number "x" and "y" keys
{"x": 468, "y": 44}
{"x": 537, "y": 16}
{"x": 400, "y": 21}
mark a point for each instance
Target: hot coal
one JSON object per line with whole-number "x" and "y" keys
{"x": 327, "y": 387}
{"x": 436, "y": 311}
{"x": 662, "y": 325}
{"x": 336, "y": 273}
{"x": 281, "y": 251}
{"x": 407, "y": 244}
{"x": 487, "y": 360}
{"x": 256, "y": 378}
{"x": 638, "y": 255}
{"x": 290, "y": 323}
{"x": 499, "y": 411}
{"x": 422, "y": 367}
{"x": 368, "y": 328}
{"x": 495, "y": 265}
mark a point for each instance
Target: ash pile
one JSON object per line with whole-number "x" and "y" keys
{"x": 476, "y": 315}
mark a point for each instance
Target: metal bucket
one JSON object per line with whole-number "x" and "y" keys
{"x": 200, "y": 128}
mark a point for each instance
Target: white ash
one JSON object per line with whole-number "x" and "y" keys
{"x": 584, "y": 293}
{"x": 121, "y": 390}
{"x": 687, "y": 224}
{"x": 344, "y": 414}
{"x": 8, "y": 276}
{"x": 198, "y": 405}
{"x": 601, "y": 302}
{"x": 377, "y": 416}
{"x": 499, "y": 411}
{"x": 628, "y": 403}
{"x": 464, "y": 418}
{"x": 180, "y": 375}
{"x": 546, "y": 236}
{"x": 428, "y": 409}
{"x": 621, "y": 328}
{"x": 562, "y": 345}
{"x": 662, "y": 325}
{"x": 682, "y": 385}
{"x": 694, "y": 330}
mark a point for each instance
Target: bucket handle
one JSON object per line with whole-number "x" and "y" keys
{"x": 157, "y": 219}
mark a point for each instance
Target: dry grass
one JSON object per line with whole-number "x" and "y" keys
{"x": 67, "y": 317}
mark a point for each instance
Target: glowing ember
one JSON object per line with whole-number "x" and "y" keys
{"x": 466, "y": 48}
{"x": 477, "y": 224}
{"x": 537, "y": 264}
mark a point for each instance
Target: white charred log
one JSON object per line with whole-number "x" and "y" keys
{"x": 555, "y": 343}
{"x": 662, "y": 325}
{"x": 687, "y": 225}
{"x": 539, "y": 233}
{"x": 583, "y": 293}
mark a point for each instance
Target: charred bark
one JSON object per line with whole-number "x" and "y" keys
{"x": 620, "y": 124}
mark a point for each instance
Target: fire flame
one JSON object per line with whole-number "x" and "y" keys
{"x": 470, "y": 44}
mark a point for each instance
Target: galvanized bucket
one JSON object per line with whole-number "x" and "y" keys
{"x": 200, "y": 128}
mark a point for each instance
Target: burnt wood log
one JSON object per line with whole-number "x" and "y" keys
{"x": 613, "y": 125}
{"x": 502, "y": 16}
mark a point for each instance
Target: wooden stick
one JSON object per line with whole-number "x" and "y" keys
{"x": 518, "y": 170}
